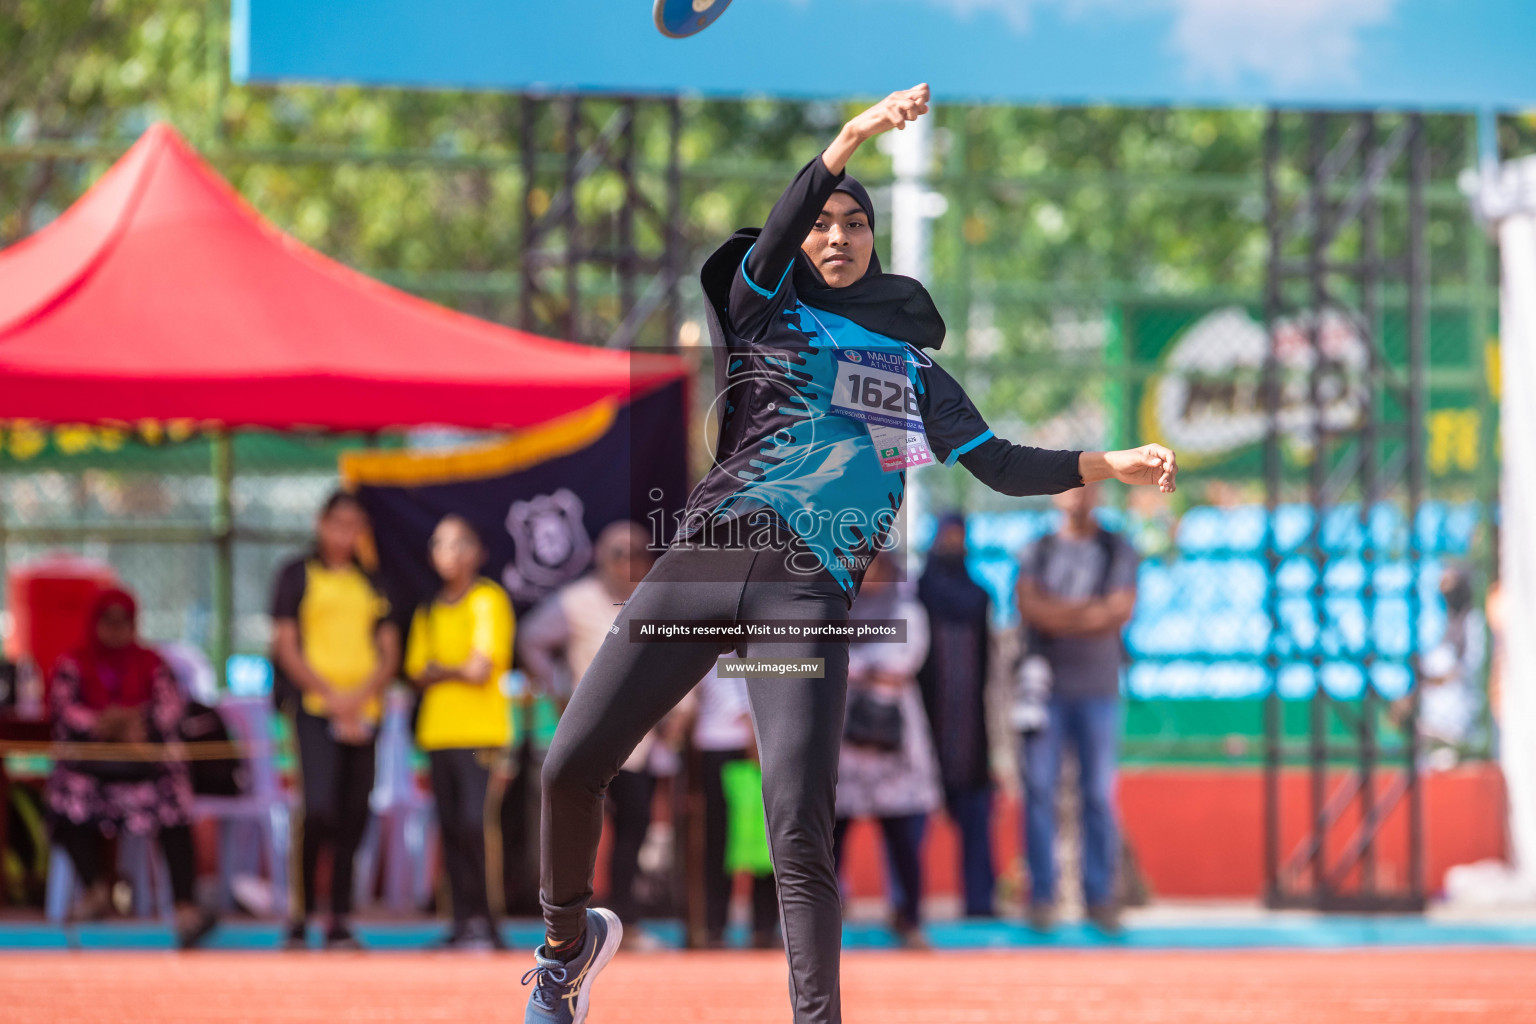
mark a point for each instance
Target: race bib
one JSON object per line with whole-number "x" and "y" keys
{"x": 873, "y": 388}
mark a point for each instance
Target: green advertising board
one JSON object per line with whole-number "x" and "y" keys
{"x": 1197, "y": 385}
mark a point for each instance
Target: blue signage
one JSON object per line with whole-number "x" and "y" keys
{"x": 1432, "y": 54}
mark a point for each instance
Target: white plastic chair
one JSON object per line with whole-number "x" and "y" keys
{"x": 400, "y": 829}
{"x": 265, "y": 809}
{"x": 139, "y": 861}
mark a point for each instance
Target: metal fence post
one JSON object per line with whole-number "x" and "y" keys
{"x": 223, "y": 470}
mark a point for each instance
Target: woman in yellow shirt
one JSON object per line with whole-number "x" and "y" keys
{"x": 335, "y": 651}
{"x": 459, "y": 648}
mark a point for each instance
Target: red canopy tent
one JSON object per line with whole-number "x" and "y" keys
{"x": 162, "y": 295}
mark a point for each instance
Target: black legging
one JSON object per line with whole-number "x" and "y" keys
{"x": 460, "y": 781}
{"x": 631, "y": 685}
{"x": 337, "y": 780}
{"x": 83, "y": 844}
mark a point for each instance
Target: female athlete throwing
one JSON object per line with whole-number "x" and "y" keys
{"x": 827, "y": 394}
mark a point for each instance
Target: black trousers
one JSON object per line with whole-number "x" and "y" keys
{"x": 337, "y": 779}
{"x": 460, "y": 781}
{"x": 83, "y": 844}
{"x": 630, "y": 795}
{"x": 717, "y": 881}
{"x": 903, "y": 850}
{"x": 632, "y": 684}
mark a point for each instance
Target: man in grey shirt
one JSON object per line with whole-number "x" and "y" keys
{"x": 1076, "y": 592}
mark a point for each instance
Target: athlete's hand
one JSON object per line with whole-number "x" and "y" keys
{"x": 1149, "y": 464}
{"x": 892, "y": 112}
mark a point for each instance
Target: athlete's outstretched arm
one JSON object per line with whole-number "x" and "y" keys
{"x": 1018, "y": 470}
{"x": 795, "y": 213}
{"x": 957, "y": 433}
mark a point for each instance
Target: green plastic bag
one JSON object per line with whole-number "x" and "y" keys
{"x": 746, "y": 835}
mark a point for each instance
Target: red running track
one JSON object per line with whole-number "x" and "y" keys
{"x": 1334, "y": 987}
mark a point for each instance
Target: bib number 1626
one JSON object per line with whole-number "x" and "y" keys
{"x": 885, "y": 395}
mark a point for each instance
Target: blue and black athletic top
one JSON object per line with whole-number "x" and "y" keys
{"x": 780, "y": 447}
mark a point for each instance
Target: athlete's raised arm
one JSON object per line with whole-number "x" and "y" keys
{"x": 797, "y": 210}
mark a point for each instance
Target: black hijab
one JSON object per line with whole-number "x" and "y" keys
{"x": 946, "y": 587}
{"x": 889, "y": 304}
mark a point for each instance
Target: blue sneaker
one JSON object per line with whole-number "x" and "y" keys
{"x": 562, "y": 991}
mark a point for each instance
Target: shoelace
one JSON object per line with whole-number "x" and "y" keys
{"x": 548, "y": 979}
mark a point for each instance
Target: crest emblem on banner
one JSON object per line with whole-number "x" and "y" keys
{"x": 550, "y": 544}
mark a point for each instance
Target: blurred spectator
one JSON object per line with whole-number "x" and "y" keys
{"x": 561, "y": 635}
{"x": 1076, "y": 592}
{"x": 334, "y": 651}
{"x": 459, "y": 648}
{"x": 1450, "y": 698}
{"x": 112, "y": 689}
{"x": 559, "y": 640}
{"x": 886, "y": 768}
{"x": 953, "y": 681}
{"x": 722, "y": 732}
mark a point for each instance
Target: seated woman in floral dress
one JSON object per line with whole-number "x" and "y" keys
{"x": 112, "y": 689}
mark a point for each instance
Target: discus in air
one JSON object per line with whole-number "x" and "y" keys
{"x": 682, "y": 18}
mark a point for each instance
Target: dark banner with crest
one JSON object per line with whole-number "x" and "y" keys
{"x": 538, "y": 498}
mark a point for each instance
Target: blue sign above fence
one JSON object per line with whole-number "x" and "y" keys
{"x": 1435, "y": 54}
